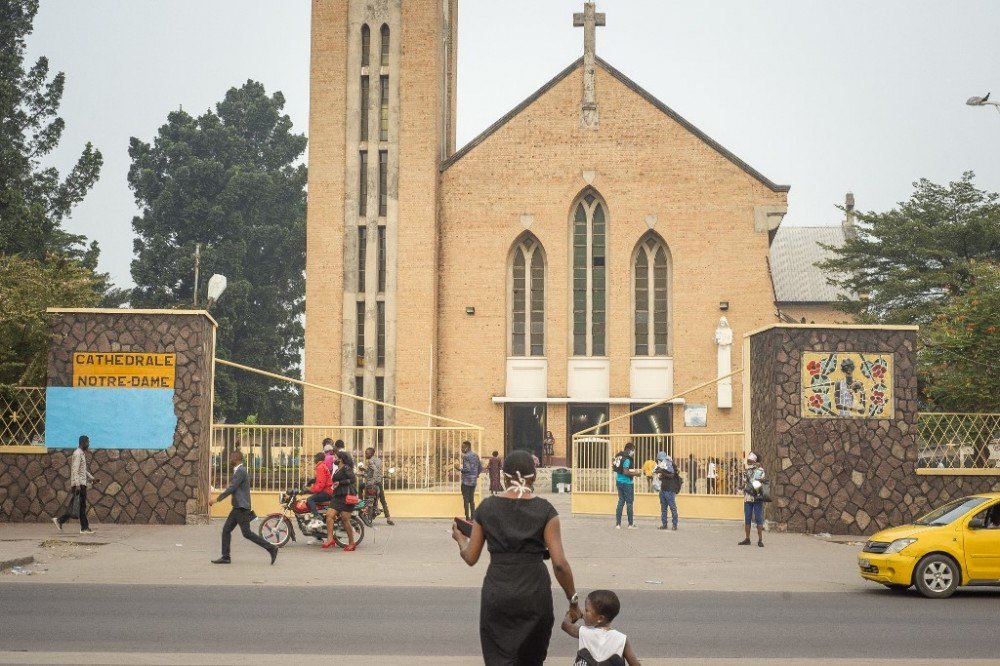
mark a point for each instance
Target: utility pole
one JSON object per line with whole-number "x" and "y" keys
{"x": 197, "y": 261}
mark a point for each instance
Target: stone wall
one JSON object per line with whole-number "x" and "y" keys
{"x": 135, "y": 486}
{"x": 840, "y": 475}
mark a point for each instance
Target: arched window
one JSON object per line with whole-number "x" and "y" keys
{"x": 527, "y": 298}
{"x": 652, "y": 284}
{"x": 589, "y": 275}
{"x": 366, "y": 45}
{"x": 384, "y": 62}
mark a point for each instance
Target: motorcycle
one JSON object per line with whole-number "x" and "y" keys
{"x": 277, "y": 528}
{"x": 371, "y": 508}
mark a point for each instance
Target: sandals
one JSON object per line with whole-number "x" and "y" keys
{"x": 329, "y": 544}
{"x": 348, "y": 549}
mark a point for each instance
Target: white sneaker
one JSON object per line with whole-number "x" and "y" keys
{"x": 618, "y": 527}
{"x": 87, "y": 531}
{"x": 633, "y": 527}
{"x": 58, "y": 525}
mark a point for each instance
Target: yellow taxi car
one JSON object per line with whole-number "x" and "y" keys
{"x": 956, "y": 544}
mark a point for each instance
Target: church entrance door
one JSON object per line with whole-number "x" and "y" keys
{"x": 524, "y": 427}
{"x": 581, "y": 417}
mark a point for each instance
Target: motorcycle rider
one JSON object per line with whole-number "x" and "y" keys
{"x": 373, "y": 479}
{"x": 322, "y": 487}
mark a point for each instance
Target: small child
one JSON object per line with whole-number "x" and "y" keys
{"x": 600, "y": 645}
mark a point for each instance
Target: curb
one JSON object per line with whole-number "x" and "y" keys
{"x": 16, "y": 562}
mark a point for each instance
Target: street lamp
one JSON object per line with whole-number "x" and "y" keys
{"x": 216, "y": 285}
{"x": 983, "y": 101}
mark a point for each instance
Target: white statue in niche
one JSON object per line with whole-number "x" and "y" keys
{"x": 724, "y": 341}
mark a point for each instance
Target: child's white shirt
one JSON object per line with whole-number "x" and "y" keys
{"x": 602, "y": 643}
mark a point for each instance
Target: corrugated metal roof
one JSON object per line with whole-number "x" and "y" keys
{"x": 795, "y": 252}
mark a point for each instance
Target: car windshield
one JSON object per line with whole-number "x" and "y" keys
{"x": 950, "y": 511}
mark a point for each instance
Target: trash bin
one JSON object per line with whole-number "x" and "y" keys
{"x": 561, "y": 478}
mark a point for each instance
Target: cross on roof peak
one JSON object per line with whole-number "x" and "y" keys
{"x": 589, "y": 20}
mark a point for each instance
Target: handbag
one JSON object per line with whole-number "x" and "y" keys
{"x": 73, "y": 511}
{"x": 351, "y": 500}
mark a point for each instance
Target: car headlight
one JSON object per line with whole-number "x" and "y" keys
{"x": 898, "y": 545}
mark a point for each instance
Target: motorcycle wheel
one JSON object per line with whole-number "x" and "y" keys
{"x": 367, "y": 514}
{"x": 340, "y": 535}
{"x": 276, "y": 530}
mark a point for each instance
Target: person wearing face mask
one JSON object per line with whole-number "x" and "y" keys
{"x": 753, "y": 504}
{"x": 623, "y": 465}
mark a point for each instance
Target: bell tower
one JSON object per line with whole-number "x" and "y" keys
{"x": 382, "y": 118}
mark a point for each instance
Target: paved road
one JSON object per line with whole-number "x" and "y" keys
{"x": 443, "y": 621}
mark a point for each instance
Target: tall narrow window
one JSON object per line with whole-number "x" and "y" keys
{"x": 360, "y": 341}
{"x": 384, "y": 61}
{"x": 366, "y": 45}
{"x": 383, "y": 183}
{"x": 383, "y": 106}
{"x": 365, "y": 103}
{"x": 652, "y": 277}
{"x": 379, "y": 409}
{"x": 359, "y": 405}
{"x": 362, "y": 257}
{"x": 363, "y": 184}
{"x": 381, "y": 259}
{"x": 589, "y": 276}
{"x": 527, "y": 299}
{"x": 380, "y": 333}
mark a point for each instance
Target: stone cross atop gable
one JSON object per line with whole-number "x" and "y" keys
{"x": 589, "y": 20}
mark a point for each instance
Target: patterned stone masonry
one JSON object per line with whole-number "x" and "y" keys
{"x": 841, "y": 475}
{"x": 135, "y": 486}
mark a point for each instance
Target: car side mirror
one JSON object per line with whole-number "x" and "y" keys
{"x": 977, "y": 523}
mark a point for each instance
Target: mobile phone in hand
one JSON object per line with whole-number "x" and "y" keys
{"x": 464, "y": 526}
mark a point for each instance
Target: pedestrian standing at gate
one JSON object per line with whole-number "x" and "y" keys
{"x": 494, "y": 466}
{"x": 670, "y": 485}
{"x": 79, "y": 479}
{"x": 239, "y": 490}
{"x": 711, "y": 474}
{"x": 374, "y": 479}
{"x": 623, "y": 465}
{"x": 470, "y": 467}
{"x": 753, "y": 503}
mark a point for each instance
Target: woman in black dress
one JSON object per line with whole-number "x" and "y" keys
{"x": 344, "y": 484}
{"x": 519, "y": 529}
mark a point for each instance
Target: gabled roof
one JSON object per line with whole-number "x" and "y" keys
{"x": 794, "y": 255}
{"x": 629, "y": 83}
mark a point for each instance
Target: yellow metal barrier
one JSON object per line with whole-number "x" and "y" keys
{"x": 281, "y": 457}
{"x": 22, "y": 416}
{"x": 958, "y": 441}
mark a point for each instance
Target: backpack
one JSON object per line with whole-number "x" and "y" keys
{"x": 618, "y": 462}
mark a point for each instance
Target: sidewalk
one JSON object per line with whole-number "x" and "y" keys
{"x": 702, "y": 555}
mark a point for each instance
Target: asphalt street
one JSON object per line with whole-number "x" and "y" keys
{"x": 444, "y": 621}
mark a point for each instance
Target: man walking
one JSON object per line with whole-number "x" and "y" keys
{"x": 753, "y": 504}
{"x": 623, "y": 466}
{"x": 373, "y": 479}
{"x": 239, "y": 489}
{"x": 470, "y": 467}
{"x": 79, "y": 477}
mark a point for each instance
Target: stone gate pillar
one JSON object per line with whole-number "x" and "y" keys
{"x": 139, "y": 384}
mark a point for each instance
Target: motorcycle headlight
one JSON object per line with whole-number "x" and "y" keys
{"x": 898, "y": 545}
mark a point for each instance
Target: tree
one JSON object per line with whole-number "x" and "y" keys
{"x": 27, "y": 288}
{"x": 229, "y": 180}
{"x": 34, "y": 200}
{"x": 909, "y": 262}
{"x": 960, "y": 358}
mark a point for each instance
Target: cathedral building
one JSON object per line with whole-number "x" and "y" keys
{"x": 567, "y": 265}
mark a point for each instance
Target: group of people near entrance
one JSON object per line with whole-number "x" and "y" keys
{"x": 667, "y": 480}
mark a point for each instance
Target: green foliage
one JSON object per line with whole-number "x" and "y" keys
{"x": 34, "y": 200}
{"x": 909, "y": 262}
{"x": 230, "y": 180}
{"x": 27, "y": 288}
{"x": 960, "y": 359}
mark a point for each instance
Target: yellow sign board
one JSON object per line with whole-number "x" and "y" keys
{"x": 124, "y": 370}
{"x": 847, "y": 385}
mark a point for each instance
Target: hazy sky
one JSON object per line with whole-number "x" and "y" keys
{"x": 827, "y": 97}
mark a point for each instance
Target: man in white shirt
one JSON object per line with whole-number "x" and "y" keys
{"x": 79, "y": 478}
{"x": 710, "y": 476}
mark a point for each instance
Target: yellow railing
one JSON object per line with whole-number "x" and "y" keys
{"x": 709, "y": 463}
{"x": 22, "y": 415}
{"x": 964, "y": 441}
{"x": 281, "y": 457}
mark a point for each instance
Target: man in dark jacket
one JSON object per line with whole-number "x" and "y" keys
{"x": 239, "y": 489}
{"x": 670, "y": 485}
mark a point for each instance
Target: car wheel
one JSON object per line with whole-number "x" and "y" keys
{"x": 937, "y": 576}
